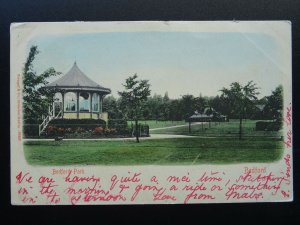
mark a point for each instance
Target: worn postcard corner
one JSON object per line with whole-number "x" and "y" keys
{"x": 151, "y": 112}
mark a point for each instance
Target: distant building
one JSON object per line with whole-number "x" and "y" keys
{"x": 209, "y": 114}
{"x": 260, "y": 107}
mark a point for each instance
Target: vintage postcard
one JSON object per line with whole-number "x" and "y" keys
{"x": 151, "y": 112}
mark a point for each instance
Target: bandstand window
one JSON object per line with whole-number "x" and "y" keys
{"x": 57, "y": 103}
{"x": 84, "y": 102}
{"x": 95, "y": 102}
{"x": 70, "y": 102}
{"x": 57, "y": 97}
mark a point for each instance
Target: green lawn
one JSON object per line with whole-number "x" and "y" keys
{"x": 159, "y": 124}
{"x": 187, "y": 151}
{"x": 219, "y": 129}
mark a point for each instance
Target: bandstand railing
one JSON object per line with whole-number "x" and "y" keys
{"x": 46, "y": 121}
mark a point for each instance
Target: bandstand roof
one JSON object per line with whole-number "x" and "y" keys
{"x": 75, "y": 79}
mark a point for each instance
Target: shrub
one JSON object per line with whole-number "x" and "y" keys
{"x": 79, "y": 130}
{"x": 31, "y": 130}
{"x": 60, "y": 131}
{"x": 72, "y": 125}
{"x": 268, "y": 126}
{"x": 98, "y": 131}
{"x": 86, "y": 128}
{"x": 51, "y": 130}
{"x": 69, "y": 130}
{"x": 119, "y": 126}
{"x": 111, "y": 131}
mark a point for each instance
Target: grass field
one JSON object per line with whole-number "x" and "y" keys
{"x": 189, "y": 151}
{"x": 219, "y": 129}
{"x": 159, "y": 124}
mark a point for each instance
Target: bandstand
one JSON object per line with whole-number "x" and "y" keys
{"x": 76, "y": 97}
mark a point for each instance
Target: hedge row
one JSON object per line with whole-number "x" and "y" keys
{"x": 268, "y": 126}
{"x": 77, "y": 122}
{"x": 118, "y": 124}
{"x": 86, "y": 124}
{"x": 53, "y": 131}
{"x": 85, "y": 128}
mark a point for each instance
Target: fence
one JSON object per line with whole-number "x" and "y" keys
{"x": 223, "y": 129}
{"x": 142, "y": 129}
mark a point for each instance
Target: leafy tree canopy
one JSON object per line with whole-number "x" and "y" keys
{"x": 240, "y": 98}
{"x": 134, "y": 96}
{"x": 35, "y": 98}
{"x": 274, "y": 105}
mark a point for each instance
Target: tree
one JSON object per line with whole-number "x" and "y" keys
{"x": 187, "y": 106}
{"x": 174, "y": 110}
{"x": 156, "y": 102}
{"x": 135, "y": 95}
{"x": 35, "y": 99}
{"x": 200, "y": 103}
{"x": 274, "y": 105}
{"x": 219, "y": 105}
{"x": 240, "y": 98}
{"x": 111, "y": 106}
{"x": 165, "y": 107}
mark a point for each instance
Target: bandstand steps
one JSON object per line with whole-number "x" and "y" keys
{"x": 44, "y": 124}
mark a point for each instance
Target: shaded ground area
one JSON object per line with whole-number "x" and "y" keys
{"x": 172, "y": 151}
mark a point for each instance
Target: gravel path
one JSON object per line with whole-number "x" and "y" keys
{"x": 185, "y": 125}
{"x": 152, "y": 136}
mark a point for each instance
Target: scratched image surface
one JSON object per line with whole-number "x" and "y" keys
{"x": 151, "y": 112}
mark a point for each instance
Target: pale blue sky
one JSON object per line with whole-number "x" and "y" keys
{"x": 177, "y": 62}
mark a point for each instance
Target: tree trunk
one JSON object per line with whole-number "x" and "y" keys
{"x": 137, "y": 131}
